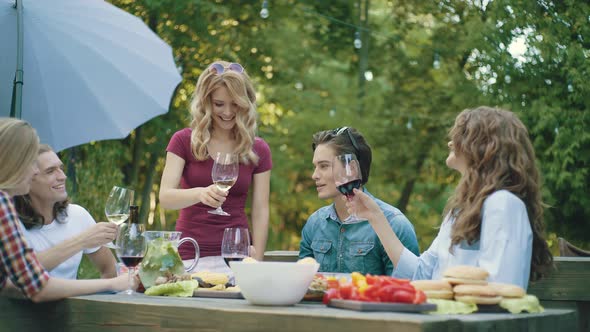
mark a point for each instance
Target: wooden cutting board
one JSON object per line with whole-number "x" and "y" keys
{"x": 313, "y": 297}
{"x": 379, "y": 306}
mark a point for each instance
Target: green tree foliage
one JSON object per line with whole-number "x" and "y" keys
{"x": 548, "y": 86}
{"x": 423, "y": 63}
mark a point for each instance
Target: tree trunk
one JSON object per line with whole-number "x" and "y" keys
{"x": 425, "y": 147}
{"x": 148, "y": 185}
{"x": 71, "y": 170}
{"x": 138, "y": 147}
{"x": 136, "y": 161}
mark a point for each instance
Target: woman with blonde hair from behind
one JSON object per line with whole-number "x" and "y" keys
{"x": 19, "y": 146}
{"x": 224, "y": 115}
{"x": 494, "y": 220}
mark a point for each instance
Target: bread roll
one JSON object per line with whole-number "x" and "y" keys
{"x": 434, "y": 289}
{"x": 465, "y": 274}
{"x": 508, "y": 290}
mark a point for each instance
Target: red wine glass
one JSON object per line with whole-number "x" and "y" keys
{"x": 235, "y": 245}
{"x": 347, "y": 176}
{"x": 131, "y": 247}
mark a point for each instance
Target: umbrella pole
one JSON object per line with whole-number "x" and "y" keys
{"x": 17, "y": 87}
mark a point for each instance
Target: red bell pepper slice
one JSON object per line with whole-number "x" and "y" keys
{"x": 420, "y": 297}
{"x": 403, "y": 296}
{"x": 330, "y": 294}
{"x": 346, "y": 291}
{"x": 333, "y": 283}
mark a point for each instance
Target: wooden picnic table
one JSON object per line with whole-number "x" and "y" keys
{"x": 565, "y": 294}
{"x": 566, "y": 286}
{"x": 113, "y": 312}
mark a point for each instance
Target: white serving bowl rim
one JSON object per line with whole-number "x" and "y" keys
{"x": 287, "y": 286}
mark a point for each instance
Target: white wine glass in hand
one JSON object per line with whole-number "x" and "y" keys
{"x": 117, "y": 207}
{"x": 224, "y": 174}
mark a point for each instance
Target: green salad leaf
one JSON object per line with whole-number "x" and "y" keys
{"x": 529, "y": 303}
{"x": 452, "y": 307}
{"x": 161, "y": 258}
{"x": 183, "y": 288}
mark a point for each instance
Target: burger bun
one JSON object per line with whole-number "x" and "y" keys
{"x": 478, "y": 294}
{"x": 465, "y": 274}
{"x": 478, "y": 299}
{"x": 508, "y": 290}
{"x": 434, "y": 289}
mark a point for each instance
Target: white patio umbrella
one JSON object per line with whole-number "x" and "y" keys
{"x": 91, "y": 71}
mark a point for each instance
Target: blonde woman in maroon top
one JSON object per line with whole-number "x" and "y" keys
{"x": 223, "y": 111}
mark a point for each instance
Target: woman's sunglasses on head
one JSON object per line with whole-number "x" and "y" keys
{"x": 220, "y": 69}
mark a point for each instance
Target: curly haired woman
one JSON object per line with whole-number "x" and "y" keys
{"x": 494, "y": 220}
{"x": 224, "y": 116}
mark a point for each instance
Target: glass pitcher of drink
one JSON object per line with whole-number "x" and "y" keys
{"x": 162, "y": 256}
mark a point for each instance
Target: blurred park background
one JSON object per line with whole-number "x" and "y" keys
{"x": 398, "y": 71}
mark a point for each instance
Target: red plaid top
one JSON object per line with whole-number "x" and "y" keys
{"x": 17, "y": 260}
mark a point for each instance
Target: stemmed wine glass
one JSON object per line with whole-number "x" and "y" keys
{"x": 131, "y": 247}
{"x": 347, "y": 176}
{"x": 117, "y": 207}
{"x": 224, "y": 174}
{"x": 235, "y": 245}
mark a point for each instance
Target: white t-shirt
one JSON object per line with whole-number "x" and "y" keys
{"x": 41, "y": 239}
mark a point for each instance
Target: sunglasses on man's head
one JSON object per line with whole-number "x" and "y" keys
{"x": 220, "y": 69}
{"x": 341, "y": 130}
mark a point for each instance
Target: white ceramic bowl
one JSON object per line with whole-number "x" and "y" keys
{"x": 273, "y": 283}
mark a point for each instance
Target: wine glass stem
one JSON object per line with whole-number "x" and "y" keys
{"x": 130, "y": 280}
{"x": 352, "y": 210}
{"x": 116, "y": 234}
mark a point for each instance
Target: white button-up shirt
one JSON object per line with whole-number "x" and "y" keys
{"x": 504, "y": 248}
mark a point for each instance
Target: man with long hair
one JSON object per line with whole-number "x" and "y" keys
{"x": 61, "y": 232}
{"x": 20, "y": 269}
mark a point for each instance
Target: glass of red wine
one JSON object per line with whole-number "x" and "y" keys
{"x": 347, "y": 176}
{"x": 235, "y": 245}
{"x": 131, "y": 247}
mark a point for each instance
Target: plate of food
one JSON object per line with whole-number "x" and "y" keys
{"x": 316, "y": 289}
{"x": 320, "y": 284}
{"x": 215, "y": 285}
{"x": 228, "y": 293}
{"x": 376, "y": 293}
{"x": 344, "y": 277}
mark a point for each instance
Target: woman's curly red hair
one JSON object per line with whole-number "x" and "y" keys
{"x": 499, "y": 155}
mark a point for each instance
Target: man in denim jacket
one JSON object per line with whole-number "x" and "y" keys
{"x": 347, "y": 246}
